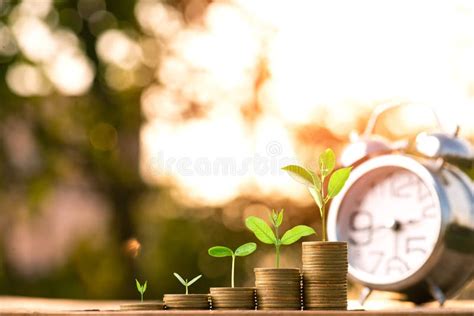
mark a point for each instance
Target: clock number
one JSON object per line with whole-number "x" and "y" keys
{"x": 361, "y": 224}
{"x": 400, "y": 186}
{"x": 410, "y": 247}
{"x": 378, "y": 260}
{"x": 422, "y": 191}
{"x": 429, "y": 211}
{"x": 397, "y": 265}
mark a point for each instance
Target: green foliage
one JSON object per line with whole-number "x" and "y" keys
{"x": 220, "y": 251}
{"x": 264, "y": 233}
{"x": 315, "y": 182}
{"x": 242, "y": 251}
{"x": 300, "y": 173}
{"x": 327, "y": 161}
{"x": 141, "y": 288}
{"x": 260, "y": 228}
{"x": 337, "y": 181}
{"x": 185, "y": 282}
{"x": 317, "y": 197}
{"x": 246, "y": 249}
{"x": 293, "y": 235}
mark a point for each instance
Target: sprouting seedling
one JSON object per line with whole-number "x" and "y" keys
{"x": 264, "y": 233}
{"x": 242, "y": 251}
{"x": 316, "y": 182}
{"x": 141, "y": 288}
{"x": 185, "y": 282}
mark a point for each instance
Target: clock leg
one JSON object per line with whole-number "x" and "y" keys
{"x": 436, "y": 292}
{"x": 364, "y": 295}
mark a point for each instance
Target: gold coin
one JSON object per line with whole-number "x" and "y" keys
{"x": 309, "y": 289}
{"x": 334, "y": 269}
{"x": 232, "y": 299}
{"x": 231, "y": 289}
{"x": 279, "y": 306}
{"x": 142, "y": 306}
{"x": 326, "y": 257}
{"x": 279, "y": 290}
{"x": 325, "y": 244}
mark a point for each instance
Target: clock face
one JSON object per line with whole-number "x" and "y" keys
{"x": 391, "y": 220}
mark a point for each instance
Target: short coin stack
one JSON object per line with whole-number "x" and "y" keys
{"x": 142, "y": 306}
{"x": 325, "y": 275}
{"x": 186, "y": 301}
{"x": 233, "y": 298}
{"x": 278, "y": 288}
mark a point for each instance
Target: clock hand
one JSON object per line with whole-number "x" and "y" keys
{"x": 412, "y": 221}
{"x": 396, "y": 225}
{"x": 392, "y": 224}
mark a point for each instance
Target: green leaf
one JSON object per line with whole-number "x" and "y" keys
{"x": 144, "y": 286}
{"x": 273, "y": 217}
{"x": 220, "y": 251}
{"x": 317, "y": 181}
{"x": 296, "y": 233}
{"x": 301, "y": 173}
{"x": 195, "y": 279}
{"x": 180, "y": 279}
{"x": 139, "y": 287}
{"x": 327, "y": 161}
{"x": 261, "y": 229}
{"x": 246, "y": 249}
{"x": 337, "y": 181}
{"x": 279, "y": 219}
{"x": 316, "y": 194}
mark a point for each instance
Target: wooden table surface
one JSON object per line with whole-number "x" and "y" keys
{"x": 59, "y": 307}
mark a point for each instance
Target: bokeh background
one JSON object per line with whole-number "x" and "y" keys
{"x": 134, "y": 135}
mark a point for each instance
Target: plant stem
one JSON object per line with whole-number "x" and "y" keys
{"x": 323, "y": 221}
{"x": 186, "y": 289}
{"x": 233, "y": 271}
{"x": 141, "y": 296}
{"x": 323, "y": 209}
{"x": 277, "y": 247}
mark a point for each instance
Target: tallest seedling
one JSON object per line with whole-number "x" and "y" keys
{"x": 316, "y": 182}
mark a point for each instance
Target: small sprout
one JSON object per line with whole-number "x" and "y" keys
{"x": 264, "y": 233}
{"x": 141, "y": 288}
{"x": 242, "y": 251}
{"x": 315, "y": 182}
{"x": 185, "y": 282}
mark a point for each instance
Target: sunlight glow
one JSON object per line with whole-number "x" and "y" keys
{"x": 254, "y": 73}
{"x": 71, "y": 72}
{"x": 59, "y": 61}
{"x": 27, "y": 80}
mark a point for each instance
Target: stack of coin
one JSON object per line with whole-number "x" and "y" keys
{"x": 186, "y": 301}
{"x": 325, "y": 275}
{"x": 142, "y": 306}
{"x": 233, "y": 298}
{"x": 278, "y": 288}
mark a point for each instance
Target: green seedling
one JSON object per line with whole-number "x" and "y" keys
{"x": 320, "y": 192}
{"x": 185, "y": 282}
{"x": 242, "y": 251}
{"x": 141, "y": 288}
{"x": 264, "y": 233}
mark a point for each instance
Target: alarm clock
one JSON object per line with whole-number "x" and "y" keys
{"x": 407, "y": 213}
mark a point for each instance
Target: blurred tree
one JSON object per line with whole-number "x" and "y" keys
{"x": 88, "y": 142}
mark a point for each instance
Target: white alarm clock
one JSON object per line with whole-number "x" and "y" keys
{"x": 408, "y": 218}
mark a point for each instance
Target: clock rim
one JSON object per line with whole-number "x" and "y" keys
{"x": 434, "y": 185}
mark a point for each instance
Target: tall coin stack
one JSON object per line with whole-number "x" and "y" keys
{"x": 325, "y": 275}
{"x": 278, "y": 288}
